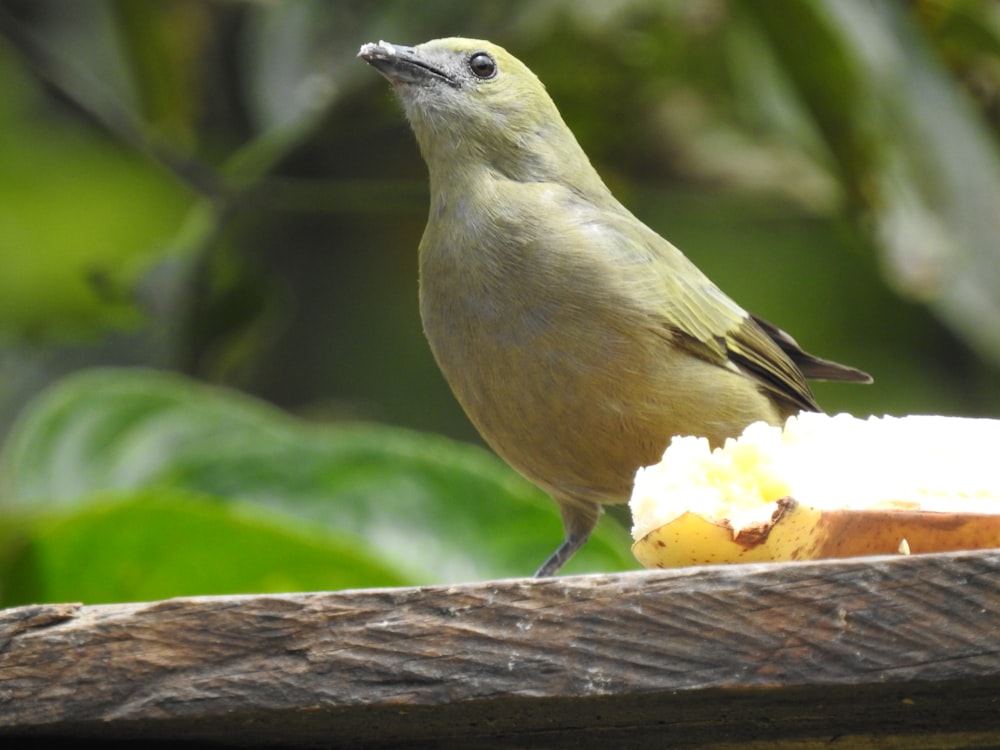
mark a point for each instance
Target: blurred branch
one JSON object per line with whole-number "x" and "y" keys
{"x": 243, "y": 177}
{"x": 89, "y": 97}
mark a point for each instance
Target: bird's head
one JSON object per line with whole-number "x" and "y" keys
{"x": 471, "y": 101}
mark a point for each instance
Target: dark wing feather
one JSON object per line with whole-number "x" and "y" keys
{"x": 759, "y": 355}
{"x": 814, "y": 368}
{"x": 706, "y": 322}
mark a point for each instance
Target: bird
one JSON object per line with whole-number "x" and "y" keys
{"x": 577, "y": 340}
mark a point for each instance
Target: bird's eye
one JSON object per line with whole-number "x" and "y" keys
{"x": 482, "y": 65}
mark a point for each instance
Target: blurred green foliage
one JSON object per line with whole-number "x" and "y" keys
{"x": 138, "y": 483}
{"x": 221, "y": 190}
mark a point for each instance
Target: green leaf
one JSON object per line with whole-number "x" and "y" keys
{"x": 434, "y": 509}
{"x": 156, "y": 544}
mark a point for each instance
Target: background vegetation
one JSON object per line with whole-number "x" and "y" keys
{"x": 212, "y": 375}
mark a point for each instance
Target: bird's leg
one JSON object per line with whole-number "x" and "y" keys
{"x": 579, "y": 520}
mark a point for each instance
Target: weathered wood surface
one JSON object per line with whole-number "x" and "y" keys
{"x": 889, "y": 652}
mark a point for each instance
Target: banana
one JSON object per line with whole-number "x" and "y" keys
{"x": 824, "y": 487}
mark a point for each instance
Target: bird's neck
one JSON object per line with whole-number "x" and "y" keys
{"x": 548, "y": 155}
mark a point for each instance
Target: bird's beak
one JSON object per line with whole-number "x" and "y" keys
{"x": 402, "y": 64}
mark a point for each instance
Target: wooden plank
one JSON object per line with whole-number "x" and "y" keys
{"x": 884, "y": 649}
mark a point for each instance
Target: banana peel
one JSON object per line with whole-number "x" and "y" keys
{"x": 798, "y": 532}
{"x": 750, "y": 502}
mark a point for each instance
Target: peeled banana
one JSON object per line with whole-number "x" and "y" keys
{"x": 822, "y": 487}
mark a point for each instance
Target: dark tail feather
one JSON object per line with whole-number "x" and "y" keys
{"x": 812, "y": 367}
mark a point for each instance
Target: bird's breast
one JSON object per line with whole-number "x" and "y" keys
{"x": 564, "y": 373}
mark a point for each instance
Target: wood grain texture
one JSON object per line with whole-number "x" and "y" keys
{"x": 804, "y": 653}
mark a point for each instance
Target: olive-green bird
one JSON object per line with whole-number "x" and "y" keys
{"x": 578, "y": 340}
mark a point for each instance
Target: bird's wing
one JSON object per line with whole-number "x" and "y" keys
{"x": 814, "y": 368}
{"x": 736, "y": 341}
{"x": 702, "y": 319}
{"x": 663, "y": 287}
